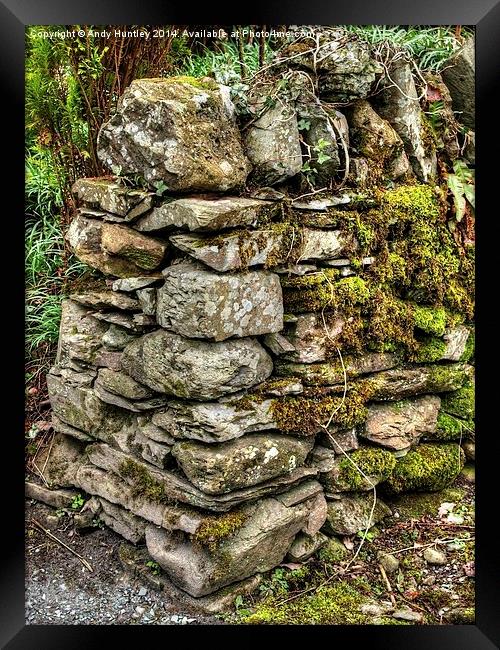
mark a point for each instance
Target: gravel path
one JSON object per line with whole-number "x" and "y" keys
{"x": 61, "y": 591}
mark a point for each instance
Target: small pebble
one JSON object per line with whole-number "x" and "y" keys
{"x": 435, "y": 556}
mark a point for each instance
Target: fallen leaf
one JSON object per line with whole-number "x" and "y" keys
{"x": 291, "y": 565}
{"x": 348, "y": 543}
{"x": 445, "y": 508}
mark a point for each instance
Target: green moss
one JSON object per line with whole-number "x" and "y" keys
{"x": 376, "y": 463}
{"x": 448, "y": 428}
{"x": 304, "y": 416}
{"x": 319, "y": 291}
{"x": 431, "y": 320}
{"x": 143, "y": 484}
{"x": 460, "y": 402}
{"x": 337, "y": 604}
{"x": 333, "y": 552}
{"x": 430, "y": 350}
{"x": 203, "y": 83}
{"x": 428, "y": 467}
{"x": 214, "y": 529}
{"x": 448, "y": 377}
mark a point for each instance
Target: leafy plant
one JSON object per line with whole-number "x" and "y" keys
{"x": 461, "y": 186}
{"x": 77, "y": 502}
{"x": 154, "y": 567}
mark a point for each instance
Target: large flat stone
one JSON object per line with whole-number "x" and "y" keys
{"x": 111, "y": 196}
{"x": 169, "y": 487}
{"x": 82, "y": 409}
{"x": 180, "y": 132}
{"x": 328, "y": 374}
{"x": 87, "y": 237}
{"x": 398, "y": 383}
{"x": 259, "y": 545}
{"x": 268, "y": 247}
{"x": 106, "y": 300}
{"x": 214, "y": 421}
{"x": 192, "y": 369}
{"x": 207, "y": 215}
{"x": 399, "y": 425}
{"x": 246, "y": 461}
{"x": 202, "y": 304}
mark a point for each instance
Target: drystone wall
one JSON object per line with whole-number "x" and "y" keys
{"x": 258, "y": 355}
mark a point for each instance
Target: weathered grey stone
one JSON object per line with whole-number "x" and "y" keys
{"x": 80, "y": 335}
{"x": 56, "y": 498}
{"x": 305, "y": 546}
{"x": 398, "y": 103}
{"x": 342, "y": 62}
{"x": 122, "y": 384}
{"x": 110, "y": 196}
{"x": 322, "y": 458}
{"x": 106, "y": 300}
{"x": 134, "y": 560}
{"x": 351, "y": 513}
{"x": 309, "y": 338}
{"x": 446, "y": 134}
{"x": 214, "y": 421}
{"x": 137, "y": 406}
{"x": 398, "y": 383}
{"x": 204, "y": 304}
{"x": 132, "y": 284}
{"x": 124, "y": 523}
{"x": 173, "y": 487}
{"x": 82, "y": 409}
{"x": 260, "y": 544}
{"x": 388, "y": 561}
{"x": 376, "y": 140}
{"x": 399, "y": 425}
{"x": 132, "y": 322}
{"x": 147, "y": 428}
{"x": 207, "y": 215}
{"x": 246, "y": 461}
{"x": 456, "y": 341}
{"x": 277, "y": 343}
{"x": 147, "y": 300}
{"x": 358, "y": 472}
{"x": 86, "y": 237}
{"x": 116, "y": 338}
{"x": 295, "y": 269}
{"x": 156, "y": 453}
{"x": 143, "y": 251}
{"x": 61, "y": 427}
{"x": 328, "y": 374}
{"x": 191, "y": 369}
{"x": 272, "y": 143}
{"x": 459, "y": 75}
{"x": 109, "y": 359}
{"x": 61, "y": 460}
{"x": 359, "y": 172}
{"x": 178, "y": 132}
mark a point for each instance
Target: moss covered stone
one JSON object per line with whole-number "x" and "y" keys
{"x": 450, "y": 427}
{"x": 460, "y": 402}
{"x": 323, "y": 291}
{"x": 216, "y": 528}
{"x": 363, "y": 469}
{"x": 431, "y": 320}
{"x": 430, "y": 350}
{"x": 429, "y": 467}
{"x": 470, "y": 347}
{"x": 143, "y": 484}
